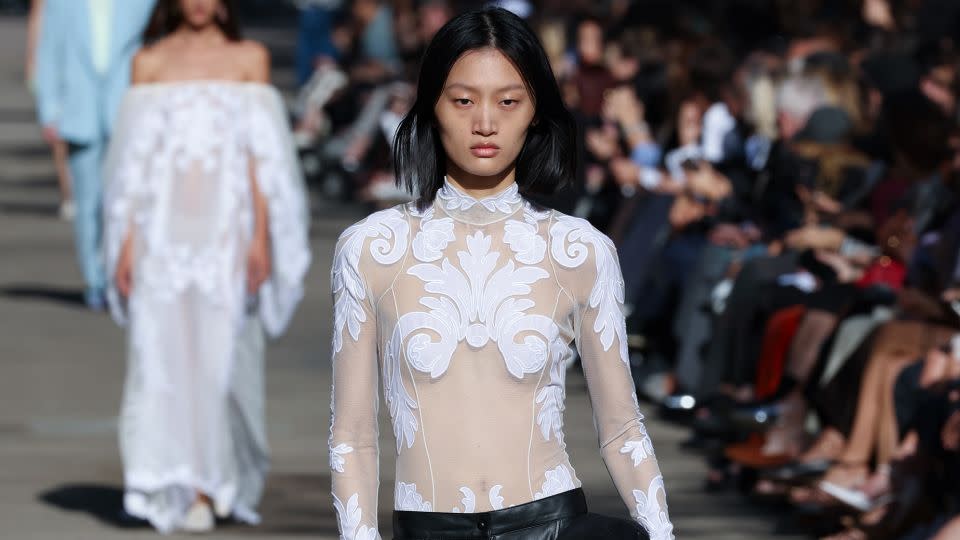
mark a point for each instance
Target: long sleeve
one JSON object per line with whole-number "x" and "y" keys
{"x": 49, "y": 63}
{"x": 280, "y": 180}
{"x": 354, "y": 449}
{"x": 601, "y": 340}
{"x": 128, "y": 184}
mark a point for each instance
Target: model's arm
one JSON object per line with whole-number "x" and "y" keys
{"x": 49, "y": 67}
{"x": 142, "y": 67}
{"x": 258, "y": 258}
{"x": 33, "y": 32}
{"x": 354, "y": 450}
{"x": 601, "y": 339}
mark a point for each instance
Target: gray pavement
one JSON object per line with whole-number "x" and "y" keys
{"x": 61, "y": 370}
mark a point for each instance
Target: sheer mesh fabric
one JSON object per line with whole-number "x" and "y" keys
{"x": 465, "y": 315}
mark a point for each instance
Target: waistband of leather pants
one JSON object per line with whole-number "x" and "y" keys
{"x": 482, "y": 524}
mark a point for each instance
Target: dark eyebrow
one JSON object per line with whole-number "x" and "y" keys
{"x": 474, "y": 89}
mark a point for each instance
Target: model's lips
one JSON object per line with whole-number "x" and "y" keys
{"x": 485, "y": 150}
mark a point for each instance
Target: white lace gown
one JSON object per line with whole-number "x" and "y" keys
{"x": 177, "y": 176}
{"x": 469, "y": 311}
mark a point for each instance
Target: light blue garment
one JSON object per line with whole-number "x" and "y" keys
{"x": 378, "y": 41}
{"x": 646, "y": 154}
{"x": 71, "y": 95}
{"x": 82, "y": 102}
{"x": 85, "y": 161}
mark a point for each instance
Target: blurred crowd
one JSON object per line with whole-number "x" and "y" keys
{"x": 781, "y": 179}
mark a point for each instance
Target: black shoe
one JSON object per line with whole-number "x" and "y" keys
{"x": 798, "y": 472}
{"x": 755, "y": 419}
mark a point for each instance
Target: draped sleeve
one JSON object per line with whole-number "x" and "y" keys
{"x": 280, "y": 180}
{"x": 128, "y": 188}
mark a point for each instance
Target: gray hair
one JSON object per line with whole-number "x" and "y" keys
{"x": 798, "y": 96}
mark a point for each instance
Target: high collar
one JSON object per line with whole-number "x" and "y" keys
{"x": 458, "y": 205}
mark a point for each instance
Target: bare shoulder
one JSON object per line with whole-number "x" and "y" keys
{"x": 147, "y": 62}
{"x": 254, "y": 50}
{"x": 256, "y": 60}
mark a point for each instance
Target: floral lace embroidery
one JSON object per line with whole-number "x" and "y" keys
{"x": 469, "y": 501}
{"x": 504, "y": 202}
{"x": 407, "y": 499}
{"x": 650, "y": 514}
{"x": 337, "y": 454}
{"x": 349, "y": 517}
{"x": 558, "y": 480}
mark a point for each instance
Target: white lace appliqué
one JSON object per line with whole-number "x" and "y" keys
{"x": 383, "y": 226}
{"x": 337, "y": 454}
{"x": 650, "y": 514}
{"x": 407, "y": 499}
{"x": 528, "y": 246}
{"x": 496, "y": 501}
{"x": 557, "y": 481}
{"x": 469, "y": 501}
{"x": 568, "y": 235}
{"x": 477, "y": 303}
{"x": 504, "y": 202}
{"x": 639, "y": 449}
{"x": 349, "y": 518}
{"x": 433, "y": 237}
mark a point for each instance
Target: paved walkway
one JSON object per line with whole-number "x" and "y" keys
{"x": 62, "y": 370}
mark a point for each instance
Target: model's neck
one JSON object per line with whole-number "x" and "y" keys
{"x": 481, "y": 187}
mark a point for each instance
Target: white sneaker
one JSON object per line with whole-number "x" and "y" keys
{"x": 199, "y": 518}
{"x": 67, "y": 210}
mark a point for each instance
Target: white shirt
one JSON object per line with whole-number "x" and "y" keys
{"x": 101, "y": 22}
{"x": 717, "y": 122}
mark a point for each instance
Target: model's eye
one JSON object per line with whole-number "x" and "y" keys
{"x": 462, "y": 101}
{"x": 510, "y": 102}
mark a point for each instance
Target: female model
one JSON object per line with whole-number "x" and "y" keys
{"x": 206, "y": 242}
{"x": 469, "y": 302}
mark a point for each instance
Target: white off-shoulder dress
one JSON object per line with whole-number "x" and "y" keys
{"x": 178, "y": 179}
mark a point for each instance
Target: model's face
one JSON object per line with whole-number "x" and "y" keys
{"x": 483, "y": 113}
{"x": 198, "y": 13}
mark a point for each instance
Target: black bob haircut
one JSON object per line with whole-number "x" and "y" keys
{"x": 548, "y": 159}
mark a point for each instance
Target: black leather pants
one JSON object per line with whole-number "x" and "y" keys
{"x": 560, "y": 517}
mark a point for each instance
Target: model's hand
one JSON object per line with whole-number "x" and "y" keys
{"x": 258, "y": 263}
{"x": 123, "y": 277}
{"x": 51, "y": 134}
